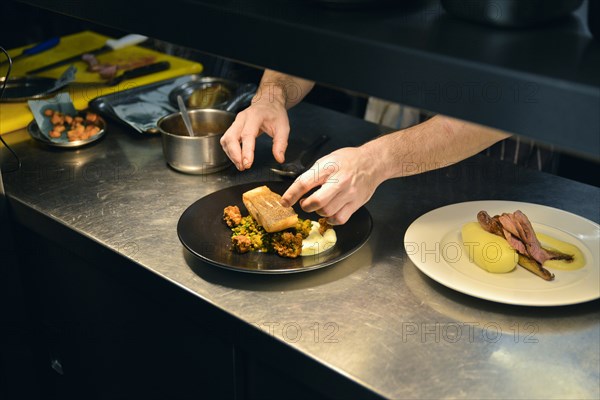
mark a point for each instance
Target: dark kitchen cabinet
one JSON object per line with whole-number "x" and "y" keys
{"x": 102, "y": 327}
{"x": 17, "y": 352}
{"x": 107, "y": 329}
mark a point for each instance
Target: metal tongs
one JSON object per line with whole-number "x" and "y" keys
{"x": 295, "y": 167}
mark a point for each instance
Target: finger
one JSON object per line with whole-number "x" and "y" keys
{"x": 328, "y": 208}
{"x": 248, "y": 143}
{"x": 281, "y": 133}
{"x": 326, "y": 201}
{"x": 302, "y": 185}
{"x": 249, "y": 133}
{"x": 279, "y": 146}
{"x": 343, "y": 215}
{"x": 231, "y": 141}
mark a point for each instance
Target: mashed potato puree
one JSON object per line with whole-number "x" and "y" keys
{"x": 316, "y": 243}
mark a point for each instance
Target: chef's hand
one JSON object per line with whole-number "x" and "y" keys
{"x": 266, "y": 114}
{"x": 348, "y": 178}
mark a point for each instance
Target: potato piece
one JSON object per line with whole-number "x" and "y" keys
{"x": 488, "y": 251}
{"x": 48, "y": 112}
{"x": 68, "y": 119}
{"x": 54, "y": 134}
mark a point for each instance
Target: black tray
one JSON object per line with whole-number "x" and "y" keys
{"x": 140, "y": 107}
{"x": 143, "y": 106}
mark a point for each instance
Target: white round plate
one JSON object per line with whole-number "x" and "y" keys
{"x": 433, "y": 243}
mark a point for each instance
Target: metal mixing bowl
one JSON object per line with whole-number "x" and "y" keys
{"x": 205, "y": 92}
{"x": 200, "y": 154}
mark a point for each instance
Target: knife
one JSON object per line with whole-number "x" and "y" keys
{"x": 38, "y": 48}
{"x": 129, "y": 74}
{"x": 140, "y": 71}
{"x": 110, "y": 45}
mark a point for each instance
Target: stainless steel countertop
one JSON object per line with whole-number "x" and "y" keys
{"x": 373, "y": 317}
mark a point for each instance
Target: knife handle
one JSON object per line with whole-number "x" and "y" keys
{"x": 48, "y": 44}
{"x": 129, "y": 40}
{"x": 146, "y": 69}
{"x": 141, "y": 71}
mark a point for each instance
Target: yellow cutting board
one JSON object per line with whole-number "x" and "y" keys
{"x": 15, "y": 116}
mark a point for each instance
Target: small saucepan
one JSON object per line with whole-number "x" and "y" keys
{"x": 201, "y": 153}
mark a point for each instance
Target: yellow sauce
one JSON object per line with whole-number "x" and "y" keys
{"x": 554, "y": 244}
{"x": 316, "y": 243}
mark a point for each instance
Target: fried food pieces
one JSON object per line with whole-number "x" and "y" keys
{"x": 232, "y": 216}
{"x": 76, "y": 127}
{"x": 248, "y": 235}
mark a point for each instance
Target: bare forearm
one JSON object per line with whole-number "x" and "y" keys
{"x": 436, "y": 143}
{"x": 288, "y": 89}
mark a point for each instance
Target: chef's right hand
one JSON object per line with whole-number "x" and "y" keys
{"x": 266, "y": 114}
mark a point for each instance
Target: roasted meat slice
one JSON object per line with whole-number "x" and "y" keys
{"x": 518, "y": 232}
{"x": 511, "y": 233}
{"x": 534, "y": 247}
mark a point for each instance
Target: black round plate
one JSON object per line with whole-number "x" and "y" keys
{"x": 202, "y": 231}
{"x": 21, "y": 89}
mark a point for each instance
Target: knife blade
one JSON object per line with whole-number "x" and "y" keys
{"x": 38, "y": 48}
{"x": 110, "y": 45}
